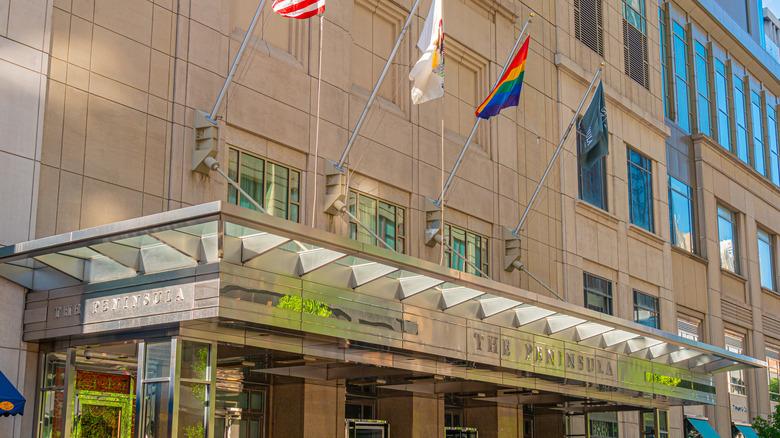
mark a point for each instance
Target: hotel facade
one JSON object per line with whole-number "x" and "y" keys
{"x": 145, "y": 296}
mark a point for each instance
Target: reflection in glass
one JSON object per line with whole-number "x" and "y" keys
{"x": 681, "y": 214}
{"x": 646, "y": 309}
{"x": 640, "y": 192}
{"x": 193, "y": 398}
{"x": 727, "y": 238}
{"x": 158, "y": 360}
{"x": 773, "y": 368}
{"x": 766, "y": 261}
{"x": 598, "y": 293}
{"x": 155, "y": 415}
{"x": 771, "y": 128}
{"x": 759, "y": 157}
{"x": 740, "y": 119}
{"x": 680, "y": 42}
{"x": 722, "y": 91}
{"x": 703, "y": 88}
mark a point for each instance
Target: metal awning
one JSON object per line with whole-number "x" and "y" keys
{"x": 216, "y": 232}
{"x": 747, "y": 431}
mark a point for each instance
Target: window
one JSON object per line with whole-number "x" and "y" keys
{"x": 593, "y": 183}
{"x": 739, "y": 120}
{"x": 703, "y": 88}
{"x": 727, "y": 235}
{"x": 385, "y": 220}
{"x": 722, "y": 92}
{"x": 773, "y": 367}
{"x": 655, "y": 420}
{"x": 640, "y": 192}
{"x": 470, "y": 246}
{"x": 771, "y": 129}
{"x": 681, "y": 214}
{"x": 735, "y": 343}
{"x": 689, "y": 328}
{"x": 603, "y": 425}
{"x": 681, "y": 77}
{"x": 635, "y": 41}
{"x": 766, "y": 259}
{"x": 757, "y": 117}
{"x": 588, "y": 24}
{"x": 662, "y": 28}
{"x": 598, "y": 293}
{"x": 646, "y": 309}
{"x": 275, "y": 187}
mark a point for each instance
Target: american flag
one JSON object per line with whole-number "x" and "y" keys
{"x": 299, "y": 8}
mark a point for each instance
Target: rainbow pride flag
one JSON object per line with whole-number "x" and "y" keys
{"x": 507, "y": 91}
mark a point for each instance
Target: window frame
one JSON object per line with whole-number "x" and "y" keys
{"x": 702, "y": 62}
{"x": 762, "y": 235}
{"x": 666, "y": 84}
{"x": 740, "y": 129}
{"x": 608, "y": 296}
{"x": 380, "y": 231}
{"x": 773, "y": 365}
{"x": 732, "y": 220}
{"x": 738, "y": 387}
{"x": 629, "y": 14}
{"x": 484, "y": 260}
{"x": 682, "y": 321}
{"x": 655, "y": 311}
{"x": 682, "y": 79}
{"x": 757, "y": 128}
{"x": 772, "y": 141}
{"x": 599, "y": 19}
{"x": 235, "y": 174}
{"x": 598, "y": 169}
{"x": 723, "y": 104}
{"x": 691, "y": 212}
{"x": 648, "y": 171}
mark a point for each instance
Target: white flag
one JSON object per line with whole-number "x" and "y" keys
{"x": 427, "y": 75}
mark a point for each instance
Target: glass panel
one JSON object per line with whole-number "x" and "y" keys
{"x": 634, "y": 13}
{"x": 51, "y": 414}
{"x": 740, "y": 119}
{"x": 774, "y": 163}
{"x": 192, "y": 409}
{"x": 251, "y": 179}
{"x": 722, "y": 89}
{"x": 681, "y": 76}
{"x": 195, "y": 361}
{"x": 158, "y": 360}
{"x": 233, "y": 174}
{"x": 230, "y": 399}
{"x": 603, "y": 425}
{"x": 458, "y": 244}
{"x": 773, "y": 368}
{"x": 759, "y": 157}
{"x": 277, "y": 190}
{"x": 640, "y": 191}
{"x": 154, "y": 423}
{"x": 368, "y": 215}
{"x": 681, "y": 214}
{"x": 664, "y": 54}
{"x": 766, "y": 260}
{"x": 703, "y": 88}
{"x": 387, "y": 223}
{"x": 726, "y": 235}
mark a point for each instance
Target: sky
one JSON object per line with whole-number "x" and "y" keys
{"x": 773, "y": 5}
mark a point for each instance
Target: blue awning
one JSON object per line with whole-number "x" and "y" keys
{"x": 11, "y": 401}
{"x": 747, "y": 431}
{"x": 704, "y": 428}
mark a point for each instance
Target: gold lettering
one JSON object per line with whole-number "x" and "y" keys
{"x": 580, "y": 363}
{"x": 570, "y": 360}
{"x": 529, "y": 351}
{"x": 95, "y": 307}
{"x": 505, "y": 347}
{"x": 550, "y": 358}
{"x": 136, "y": 299}
{"x": 115, "y": 303}
{"x": 609, "y": 369}
{"x": 179, "y": 295}
{"x": 591, "y": 364}
{"x": 539, "y": 354}
{"x": 146, "y": 299}
{"x": 492, "y": 344}
{"x": 478, "y": 341}
{"x": 168, "y": 296}
{"x": 157, "y": 297}
{"x": 105, "y": 305}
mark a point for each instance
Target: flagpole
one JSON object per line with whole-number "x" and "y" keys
{"x": 557, "y": 151}
{"x": 317, "y": 134}
{"x": 229, "y": 79}
{"x": 439, "y": 201}
{"x": 352, "y": 138}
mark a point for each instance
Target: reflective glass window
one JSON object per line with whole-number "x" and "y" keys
{"x": 646, "y": 309}
{"x": 773, "y": 368}
{"x": 688, "y": 328}
{"x": 740, "y": 120}
{"x": 757, "y": 117}
{"x": 703, "y": 88}
{"x": 735, "y": 343}
{"x": 680, "y": 42}
{"x": 722, "y": 97}
{"x": 382, "y": 218}
{"x": 766, "y": 259}
{"x": 468, "y": 246}
{"x": 640, "y": 191}
{"x": 275, "y": 187}
{"x": 681, "y": 214}
{"x": 771, "y": 139}
{"x": 603, "y": 425}
{"x": 592, "y": 180}
{"x": 662, "y": 29}
{"x": 598, "y": 293}
{"x": 727, "y": 236}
